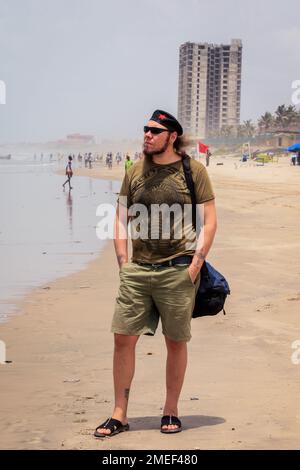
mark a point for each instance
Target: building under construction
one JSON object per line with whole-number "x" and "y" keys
{"x": 209, "y": 87}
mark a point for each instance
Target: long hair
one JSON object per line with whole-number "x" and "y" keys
{"x": 180, "y": 145}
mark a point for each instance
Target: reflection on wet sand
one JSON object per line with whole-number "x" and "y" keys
{"x": 69, "y": 201}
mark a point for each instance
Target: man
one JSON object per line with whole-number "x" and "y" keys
{"x": 118, "y": 158}
{"x": 109, "y": 160}
{"x": 90, "y": 159}
{"x": 208, "y": 155}
{"x": 69, "y": 173}
{"x": 128, "y": 163}
{"x": 161, "y": 280}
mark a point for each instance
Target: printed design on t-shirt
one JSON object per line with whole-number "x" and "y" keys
{"x": 161, "y": 185}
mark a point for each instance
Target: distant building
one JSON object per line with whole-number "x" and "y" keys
{"x": 209, "y": 89}
{"x": 278, "y": 139}
{"x": 80, "y": 139}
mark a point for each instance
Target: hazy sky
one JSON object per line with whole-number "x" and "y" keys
{"x": 102, "y": 67}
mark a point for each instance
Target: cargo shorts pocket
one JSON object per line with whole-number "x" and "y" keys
{"x": 189, "y": 277}
{"x": 124, "y": 267}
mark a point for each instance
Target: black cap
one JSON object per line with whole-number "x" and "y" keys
{"x": 167, "y": 120}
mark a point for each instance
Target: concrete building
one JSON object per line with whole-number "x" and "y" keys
{"x": 209, "y": 87}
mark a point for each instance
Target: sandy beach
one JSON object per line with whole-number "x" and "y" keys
{"x": 241, "y": 389}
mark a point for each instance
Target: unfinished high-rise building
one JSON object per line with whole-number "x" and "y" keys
{"x": 209, "y": 93}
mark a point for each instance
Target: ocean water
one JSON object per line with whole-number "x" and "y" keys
{"x": 45, "y": 232}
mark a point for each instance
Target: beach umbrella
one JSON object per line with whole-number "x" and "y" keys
{"x": 294, "y": 148}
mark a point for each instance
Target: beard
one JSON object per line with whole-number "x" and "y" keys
{"x": 159, "y": 151}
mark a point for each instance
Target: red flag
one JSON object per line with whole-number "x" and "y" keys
{"x": 202, "y": 148}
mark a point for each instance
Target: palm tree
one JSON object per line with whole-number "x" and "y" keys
{"x": 213, "y": 133}
{"x": 266, "y": 122}
{"x": 282, "y": 116}
{"x": 227, "y": 131}
{"x": 291, "y": 114}
{"x": 249, "y": 128}
{"x": 240, "y": 131}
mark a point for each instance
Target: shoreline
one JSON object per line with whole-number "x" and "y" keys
{"x": 67, "y": 246}
{"x": 241, "y": 388}
{"x": 98, "y": 172}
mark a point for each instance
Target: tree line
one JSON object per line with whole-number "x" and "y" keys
{"x": 284, "y": 118}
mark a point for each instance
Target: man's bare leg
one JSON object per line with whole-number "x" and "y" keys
{"x": 123, "y": 371}
{"x": 175, "y": 371}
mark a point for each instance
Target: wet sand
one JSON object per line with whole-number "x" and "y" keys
{"x": 241, "y": 389}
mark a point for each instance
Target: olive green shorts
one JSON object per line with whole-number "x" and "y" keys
{"x": 147, "y": 294}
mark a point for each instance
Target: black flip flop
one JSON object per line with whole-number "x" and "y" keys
{"x": 167, "y": 420}
{"x": 114, "y": 425}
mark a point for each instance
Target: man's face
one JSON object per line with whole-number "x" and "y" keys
{"x": 155, "y": 144}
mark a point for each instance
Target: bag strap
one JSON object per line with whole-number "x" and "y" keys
{"x": 190, "y": 184}
{"x": 186, "y": 163}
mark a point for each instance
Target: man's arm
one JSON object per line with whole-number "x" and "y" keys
{"x": 121, "y": 234}
{"x": 205, "y": 239}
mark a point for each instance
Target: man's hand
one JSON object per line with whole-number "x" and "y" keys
{"x": 193, "y": 272}
{"x": 122, "y": 259}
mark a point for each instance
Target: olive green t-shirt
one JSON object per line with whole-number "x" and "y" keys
{"x": 159, "y": 234}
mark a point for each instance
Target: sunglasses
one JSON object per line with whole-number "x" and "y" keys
{"x": 154, "y": 130}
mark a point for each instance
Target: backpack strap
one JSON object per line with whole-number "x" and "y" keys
{"x": 186, "y": 163}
